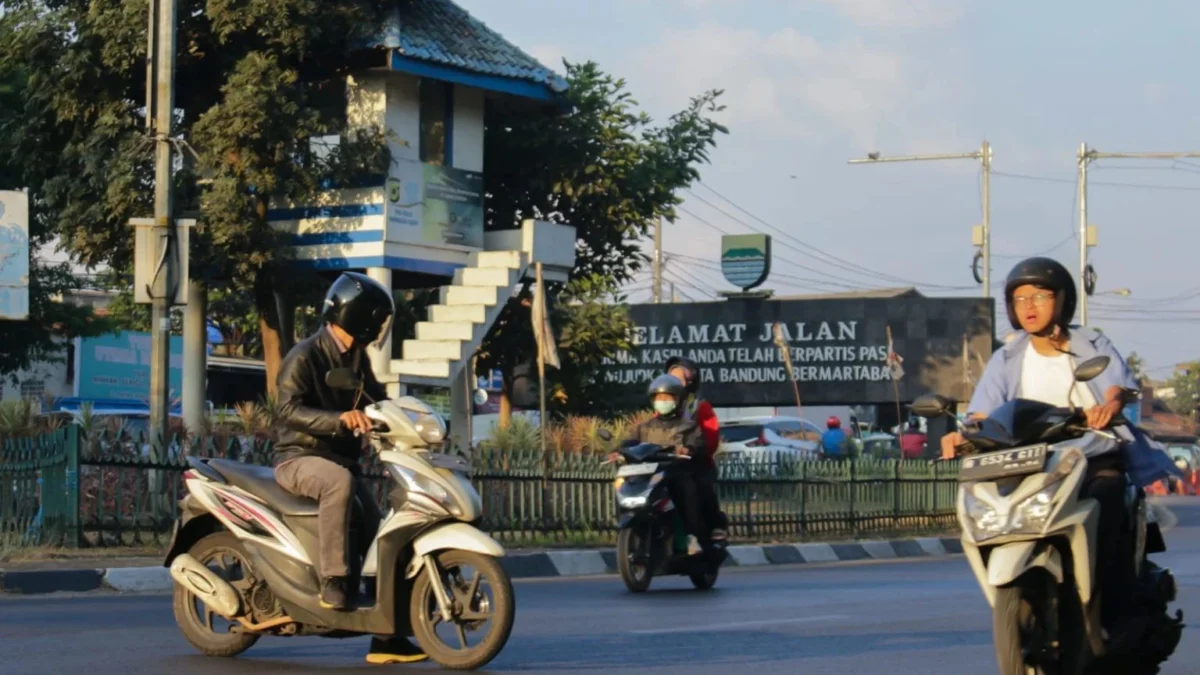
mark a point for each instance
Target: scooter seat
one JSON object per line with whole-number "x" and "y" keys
{"x": 260, "y": 482}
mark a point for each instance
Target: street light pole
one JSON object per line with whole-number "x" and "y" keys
{"x": 1087, "y": 238}
{"x": 984, "y": 156}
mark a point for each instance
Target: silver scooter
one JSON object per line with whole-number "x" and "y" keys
{"x": 1030, "y": 538}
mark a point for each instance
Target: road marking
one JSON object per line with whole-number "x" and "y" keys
{"x": 741, "y": 624}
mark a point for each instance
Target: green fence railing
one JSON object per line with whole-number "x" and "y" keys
{"x": 70, "y": 488}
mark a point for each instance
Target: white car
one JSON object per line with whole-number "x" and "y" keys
{"x": 769, "y": 439}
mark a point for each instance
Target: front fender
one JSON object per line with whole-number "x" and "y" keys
{"x": 1009, "y": 562}
{"x": 452, "y": 536}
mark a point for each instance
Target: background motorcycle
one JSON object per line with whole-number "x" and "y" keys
{"x": 245, "y": 548}
{"x": 651, "y": 539}
{"x": 1031, "y": 541}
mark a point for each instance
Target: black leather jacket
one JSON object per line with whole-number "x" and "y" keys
{"x": 309, "y": 410}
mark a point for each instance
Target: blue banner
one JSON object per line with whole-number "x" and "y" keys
{"x": 117, "y": 366}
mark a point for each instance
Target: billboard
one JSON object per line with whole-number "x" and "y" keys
{"x": 434, "y": 205}
{"x": 14, "y": 255}
{"x": 117, "y": 366}
{"x": 838, "y": 347}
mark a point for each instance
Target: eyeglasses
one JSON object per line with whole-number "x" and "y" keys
{"x": 1037, "y": 300}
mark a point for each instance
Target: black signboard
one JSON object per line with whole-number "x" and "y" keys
{"x": 839, "y": 348}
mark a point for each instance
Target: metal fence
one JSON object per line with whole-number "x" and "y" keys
{"x": 70, "y": 488}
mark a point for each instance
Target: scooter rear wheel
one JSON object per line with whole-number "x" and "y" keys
{"x": 223, "y": 551}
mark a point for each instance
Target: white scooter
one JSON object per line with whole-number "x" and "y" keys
{"x": 245, "y": 550}
{"x": 1030, "y": 539}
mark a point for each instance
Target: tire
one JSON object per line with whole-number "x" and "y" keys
{"x": 206, "y": 641}
{"x": 706, "y": 579}
{"x": 424, "y": 604}
{"x": 627, "y": 542}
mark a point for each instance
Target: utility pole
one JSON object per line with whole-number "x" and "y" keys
{"x": 1087, "y": 233}
{"x": 981, "y": 236}
{"x": 674, "y": 294}
{"x": 658, "y": 262}
{"x": 162, "y": 104}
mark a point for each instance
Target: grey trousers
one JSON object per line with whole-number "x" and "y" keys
{"x": 334, "y": 488}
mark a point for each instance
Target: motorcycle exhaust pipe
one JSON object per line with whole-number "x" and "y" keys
{"x": 211, "y": 589}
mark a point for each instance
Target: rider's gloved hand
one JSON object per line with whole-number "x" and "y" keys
{"x": 682, "y": 451}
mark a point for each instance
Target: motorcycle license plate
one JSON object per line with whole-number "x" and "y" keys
{"x": 1015, "y": 462}
{"x": 637, "y": 469}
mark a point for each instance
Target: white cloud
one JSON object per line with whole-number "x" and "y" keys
{"x": 785, "y": 83}
{"x": 896, "y": 13}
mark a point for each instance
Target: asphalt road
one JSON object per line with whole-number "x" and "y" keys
{"x": 917, "y": 616}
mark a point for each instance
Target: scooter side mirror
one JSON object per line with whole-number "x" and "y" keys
{"x": 932, "y": 405}
{"x": 1091, "y": 369}
{"x": 343, "y": 378}
{"x": 605, "y": 435}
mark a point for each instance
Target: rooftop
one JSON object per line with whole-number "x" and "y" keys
{"x": 855, "y": 295}
{"x": 440, "y": 34}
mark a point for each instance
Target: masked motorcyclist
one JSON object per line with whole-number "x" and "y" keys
{"x": 673, "y": 429}
{"x": 1038, "y": 364}
{"x": 702, "y": 412}
{"x": 323, "y": 434}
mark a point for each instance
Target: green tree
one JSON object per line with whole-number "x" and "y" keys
{"x": 1186, "y": 384}
{"x": 51, "y": 321}
{"x": 1137, "y": 366}
{"x": 258, "y": 82}
{"x": 606, "y": 169}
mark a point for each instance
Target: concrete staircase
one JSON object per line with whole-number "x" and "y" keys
{"x": 458, "y": 324}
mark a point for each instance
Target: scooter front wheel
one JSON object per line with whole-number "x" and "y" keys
{"x": 636, "y": 574}
{"x": 467, "y": 578}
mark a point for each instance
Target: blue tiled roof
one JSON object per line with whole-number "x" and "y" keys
{"x": 441, "y": 32}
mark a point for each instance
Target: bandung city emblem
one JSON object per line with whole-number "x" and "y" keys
{"x": 746, "y": 259}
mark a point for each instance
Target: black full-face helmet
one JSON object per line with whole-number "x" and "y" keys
{"x": 693, "y": 383}
{"x": 1048, "y": 274}
{"x": 360, "y": 306}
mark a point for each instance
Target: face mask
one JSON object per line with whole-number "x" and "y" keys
{"x": 664, "y": 407}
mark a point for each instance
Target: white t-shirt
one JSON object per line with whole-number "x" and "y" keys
{"x": 1048, "y": 379}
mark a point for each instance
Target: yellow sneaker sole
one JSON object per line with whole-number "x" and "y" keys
{"x": 388, "y": 659}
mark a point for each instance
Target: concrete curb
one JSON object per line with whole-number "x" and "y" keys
{"x": 520, "y": 566}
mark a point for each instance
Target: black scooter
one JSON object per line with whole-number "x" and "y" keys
{"x": 652, "y": 539}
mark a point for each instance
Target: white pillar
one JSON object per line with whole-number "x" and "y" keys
{"x": 195, "y": 355}
{"x": 381, "y": 359}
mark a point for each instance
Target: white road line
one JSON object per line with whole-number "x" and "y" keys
{"x": 741, "y": 624}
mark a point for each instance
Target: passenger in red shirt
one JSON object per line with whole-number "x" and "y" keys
{"x": 706, "y": 418}
{"x": 912, "y": 441}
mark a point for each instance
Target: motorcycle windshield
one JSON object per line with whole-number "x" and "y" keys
{"x": 1017, "y": 422}
{"x": 641, "y": 451}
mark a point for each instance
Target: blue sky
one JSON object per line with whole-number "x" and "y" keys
{"x": 812, "y": 83}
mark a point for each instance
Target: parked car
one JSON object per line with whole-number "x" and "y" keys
{"x": 768, "y": 439}
{"x": 1187, "y": 457}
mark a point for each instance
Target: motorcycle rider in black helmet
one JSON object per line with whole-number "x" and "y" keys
{"x": 1038, "y": 364}
{"x": 701, "y": 411}
{"x": 322, "y": 434}
{"x": 671, "y": 427}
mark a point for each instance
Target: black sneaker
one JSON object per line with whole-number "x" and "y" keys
{"x": 333, "y": 593}
{"x": 395, "y": 649}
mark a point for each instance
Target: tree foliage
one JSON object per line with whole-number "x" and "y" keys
{"x": 257, "y": 82}
{"x": 1186, "y": 385}
{"x": 51, "y": 321}
{"x": 1137, "y": 366}
{"x": 608, "y": 170}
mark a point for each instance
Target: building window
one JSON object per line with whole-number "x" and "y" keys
{"x": 33, "y": 390}
{"x": 437, "y": 109}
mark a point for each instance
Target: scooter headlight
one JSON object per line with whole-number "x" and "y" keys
{"x": 633, "y": 494}
{"x": 1034, "y": 511}
{"x": 986, "y": 520}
